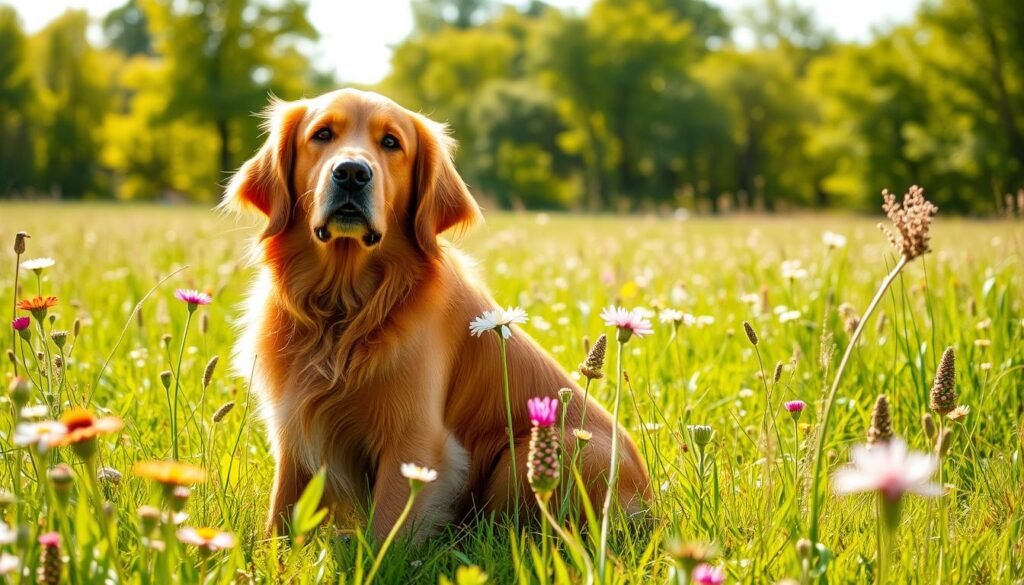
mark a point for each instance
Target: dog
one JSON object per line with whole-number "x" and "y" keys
{"x": 356, "y": 328}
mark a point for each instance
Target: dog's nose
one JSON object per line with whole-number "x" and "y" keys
{"x": 352, "y": 175}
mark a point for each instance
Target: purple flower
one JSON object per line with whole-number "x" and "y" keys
{"x": 21, "y": 323}
{"x": 795, "y": 405}
{"x": 543, "y": 411}
{"x": 705, "y": 574}
{"x": 193, "y": 297}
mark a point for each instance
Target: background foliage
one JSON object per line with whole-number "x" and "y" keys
{"x": 635, "y": 104}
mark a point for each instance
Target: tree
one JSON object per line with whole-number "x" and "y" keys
{"x": 431, "y": 16}
{"x": 16, "y": 93}
{"x": 223, "y": 59}
{"x": 127, "y": 30}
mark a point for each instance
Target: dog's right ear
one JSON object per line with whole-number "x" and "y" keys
{"x": 264, "y": 182}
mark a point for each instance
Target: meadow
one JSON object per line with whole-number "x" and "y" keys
{"x": 740, "y": 500}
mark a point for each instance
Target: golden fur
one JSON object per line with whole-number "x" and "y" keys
{"x": 362, "y": 353}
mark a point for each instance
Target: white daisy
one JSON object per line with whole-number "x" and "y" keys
{"x": 418, "y": 474}
{"x": 671, "y": 316}
{"x": 888, "y": 468}
{"x": 833, "y": 240}
{"x": 792, "y": 270}
{"x": 38, "y": 264}
{"x": 42, "y": 434}
{"x": 498, "y": 320}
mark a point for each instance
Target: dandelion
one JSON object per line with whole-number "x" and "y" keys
{"x": 542, "y": 466}
{"x": 418, "y": 476}
{"x": 193, "y": 298}
{"x": 911, "y": 221}
{"x": 41, "y": 435}
{"x": 208, "y": 540}
{"x": 833, "y": 240}
{"x": 38, "y": 306}
{"x": 705, "y": 574}
{"x": 498, "y": 320}
{"x": 629, "y": 323}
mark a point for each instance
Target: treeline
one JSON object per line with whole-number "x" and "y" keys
{"x": 636, "y": 104}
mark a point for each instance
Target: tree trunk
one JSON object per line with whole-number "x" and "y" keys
{"x": 1004, "y": 108}
{"x": 224, "y": 134}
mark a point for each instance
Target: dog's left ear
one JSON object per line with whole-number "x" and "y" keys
{"x": 264, "y": 181}
{"x": 442, "y": 200}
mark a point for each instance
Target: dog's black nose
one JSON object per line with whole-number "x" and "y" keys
{"x": 352, "y": 175}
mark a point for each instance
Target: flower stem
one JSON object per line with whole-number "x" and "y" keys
{"x": 177, "y": 384}
{"x": 613, "y": 471}
{"x": 391, "y": 536}
{"x": 14, "y": 308}
{"x": 943, "y": 510}
{"x": 571, "y": 542}
{"x": 882, "y": 542}
{"x": 511, "y": 432}
{"x": 816, "y": 495}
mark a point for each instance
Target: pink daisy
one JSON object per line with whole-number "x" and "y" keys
{"x": 705, "y": 574}
{"x": 543, "y": 411}
{"x": 795, "y": 405}
{"x": 193, "y": 297}
{"x": 629, "y": 323}
{"x": 889, "y": 469}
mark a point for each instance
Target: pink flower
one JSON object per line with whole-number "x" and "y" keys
{"x": 543, "y": 411}
{"x": 21, "y": 323}
{"x": 193, "y": 297}
{"x": 705, "y": 574}
{"x": 889, "y": 469}
{"x": 629, "y": 323}
{"x": 50, "y": 539}
{"x": 795, "y": 405}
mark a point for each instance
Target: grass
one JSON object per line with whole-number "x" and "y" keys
{"x": 745, "y": 494}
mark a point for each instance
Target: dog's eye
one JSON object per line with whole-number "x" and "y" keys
{"x": 389, "y": 142}
{"x": 323, "y": 135}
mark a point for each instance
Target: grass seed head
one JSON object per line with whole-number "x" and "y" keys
{"x": 749, "y": 330}
{"x": 881, "y": 422}
{"x": 943, "y": 396}
{"x": 911, "y": 222}
{"x": 593, "y": 367}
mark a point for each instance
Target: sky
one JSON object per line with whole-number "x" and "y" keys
{"x": 356, "y": 36}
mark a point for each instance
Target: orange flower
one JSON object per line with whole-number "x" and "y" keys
{"x": 83, "y": 428}
{"x": 38, "y": 305}
{"x": 170, "y": 473}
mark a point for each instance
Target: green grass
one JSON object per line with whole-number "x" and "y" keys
{"x": 563, "y": 269}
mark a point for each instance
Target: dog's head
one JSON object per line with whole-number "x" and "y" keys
{"x": 353, "y": 166}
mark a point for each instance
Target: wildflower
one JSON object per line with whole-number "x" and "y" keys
{"x": 795, "y": 408}
{"x": 19, "y": 242}
{"x": 418, "y": 476}
{"x": 38, "y": 264}
{"x": 193, "y": 298}
{"x": 673, "y": 316}
{"x": 881, "y": 422}
{"x": 691, "y": 554}
{"x": 41, "y": 434}
{"x": 177, "y": 497}
{"x": 959, "y": 413}
{"x": 8, "y": 564}
{"x": 705, "y": 574}
{"x": 793, "y": 270}
{"x": 912, "y": 221}
{"x": 749, "y": 330}
{"x": 83, "y": 428}
{"x": 943, "y": 395}
{"x": 542, "y": 468}
{"x": 50, "y": 560}
{"x": 59, "y": 338}
{"x": 38, "y": 306}
{"x": 833, "y": 240}
{"x": 170, "y": 474}
{"x": 35, "y": 411}
{"x": 149, "y": 518}
{"x": 890, "y": 470}
{"x": 209, "y": 540}
{"x": 499, "y": 321}
{"x": 21, "y": 323}
{"x": 19, "y": 391}
{"x": 702, "y": 434}
{"x": 165, "y": 379}
{"x": 592, "y": 368}
{"x": 8, "y": 535}
{"x": 582, "y": 435}
{"x": 109, "y": 475}
{"x": 629, "y": 323}
{"x": 62, "y": 480}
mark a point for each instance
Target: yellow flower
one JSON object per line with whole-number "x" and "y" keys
{"x": 170, "y": 473}
{"x": 82, "y": 429}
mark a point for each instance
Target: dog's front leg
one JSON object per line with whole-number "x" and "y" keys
{"x": 289, "y": 481}
{"x": 435, "y": 502}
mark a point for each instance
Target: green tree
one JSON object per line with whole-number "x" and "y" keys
{"x": 16, "y": 93}
{"x": 224, "y": 57}
{"x": 127, "y": 30}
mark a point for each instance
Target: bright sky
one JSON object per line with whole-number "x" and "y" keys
{"x": 356, "y": 36}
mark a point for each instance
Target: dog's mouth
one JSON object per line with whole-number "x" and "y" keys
{"x": 349, "y": 221}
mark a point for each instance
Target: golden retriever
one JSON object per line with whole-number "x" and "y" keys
{"x": 358, "y": 325}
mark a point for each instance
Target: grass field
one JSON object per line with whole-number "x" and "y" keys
{"x": 749, "y": 497}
